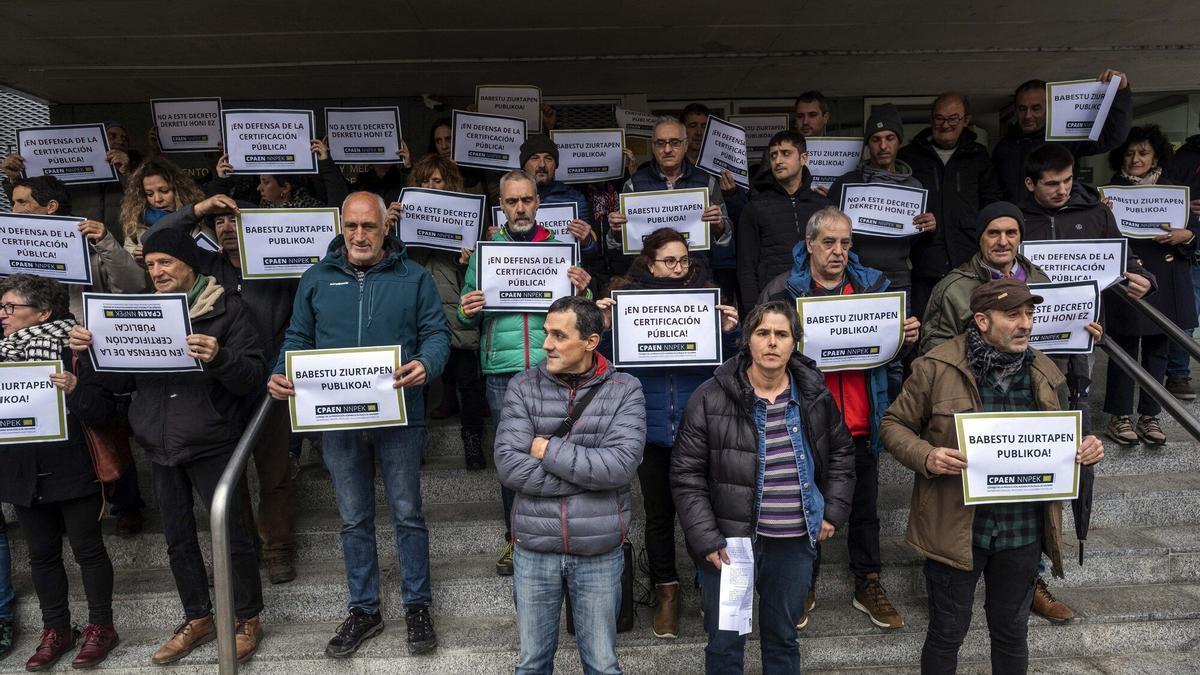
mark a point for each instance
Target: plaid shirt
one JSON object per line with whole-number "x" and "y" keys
{"x": 999, "y": 527}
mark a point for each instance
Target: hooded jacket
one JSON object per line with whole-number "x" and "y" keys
{"x": 575, "y": 499}
{"x": 957, "y": 190}
{"x": 395, "y": 302}
{"x": 889, "y": 255}
{"x": 771, "y": 225}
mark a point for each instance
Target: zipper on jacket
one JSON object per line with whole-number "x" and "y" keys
{"x": 563, "y": 499}
{"x": 525, "y": 324}
{"x": 361, "y": 285}
{"x": 1053, "y": 231}
{"x": 491, "y": 342}
{"x": 795, "y": 216}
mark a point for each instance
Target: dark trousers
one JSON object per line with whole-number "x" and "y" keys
{"x": 727, "y": 281}
{"x": 1118, "y": 390}
{"x": 782, "y": 572}
{"x": 272, "y": 463}
{"x": 862, "y": 536}
{"x": 44, "y": 526}
{"x": 174, "y": 486}
{"x": 462, "y": 378}
{"x": 1008, "y": 578}
{"x": 654, "y": 475}
{"x": 126, "y": 495}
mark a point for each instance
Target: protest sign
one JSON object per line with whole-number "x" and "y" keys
{"x": 363, "y": 135}
{"x": 1077, "y": 109}
{"x": 759, "y": 130}
{"x": 347, "y": 388}
{"x": 269, "y": 141}
{"x": 46, "y": 246}
{"x": 724, "y": 149}
{"x": 1019, "y": 456}
{"x": 1059, "y": 321}
{"x": 72, "y": 153}
{"x": 487, "y": 141}
{"x": 440, "y": 219}
{"x": 519, "y": 277}
{"x": 636, "y": 124}
{"x": 32, "y": 409}
{"x": 283, "y": 243}
{"x": 1142, "y": 210}
{"x": 206, "y": 242}
{"x": 1101, "y": 260}
{"x": 882, "y": 209}
{"x": 851, "y": 332}
{"x": 589, "y": 155}
{"x": 681, "y": 210}
{"x": 139, "y": 333}
{"x": 511, "y": 100}
{"x": 187, "y": 124}
{"x": 665, "y": 328}
{"x": 831, "y": 157}
{"x": 553, "y": 217}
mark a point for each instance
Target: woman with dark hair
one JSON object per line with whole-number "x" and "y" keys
{"x": 156, "y": 188}
{"x": 53, "y": 485}
{"x": 441, "y": 139}
{"x": 287, "y": 191}
{"x": 665, "y": 263}
{"x": 1139, "y": 161}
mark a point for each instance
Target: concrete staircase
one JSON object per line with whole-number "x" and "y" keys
{"x": 1137, "y": 596}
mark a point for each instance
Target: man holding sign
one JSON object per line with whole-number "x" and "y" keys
{"x": 539, "y": 158}
{"x": 825, "y": 267}
{"x": 993, "y": 364}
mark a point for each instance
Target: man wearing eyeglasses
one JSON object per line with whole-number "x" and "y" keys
{"x": 956, "y": 170}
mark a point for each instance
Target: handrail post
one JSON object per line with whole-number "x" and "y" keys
{"x": 219, "y": 524}
{"x": 1175, "y": 333}
{"x": 1131, "y": 367}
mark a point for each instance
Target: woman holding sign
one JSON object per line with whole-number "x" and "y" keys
{"x": 52, "y": 484}
{"x": 287, "y": 191}
{"x": 665, "y": 263}
{"x": 155, "y": 189}
{"x": 1139, "y": 161}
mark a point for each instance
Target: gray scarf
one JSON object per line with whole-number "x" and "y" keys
{"x": 990, "y": 365}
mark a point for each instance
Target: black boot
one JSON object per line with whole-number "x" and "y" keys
{"x": 473, "y": 449}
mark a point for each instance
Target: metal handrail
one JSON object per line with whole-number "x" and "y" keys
{"x": 1175, "y": 333}
{"x": 219, "y": 523}
{"x": 1151, "y": 386}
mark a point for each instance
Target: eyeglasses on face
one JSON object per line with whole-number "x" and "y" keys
{"x": 661, "y": 143}
{"x": 684, "y": 262}
{"x": 11, "y": 307}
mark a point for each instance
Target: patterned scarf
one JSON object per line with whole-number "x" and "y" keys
{"x": 43, "y": 342}
{"x": 1149, "y": 178}
{"x": 990, "y": 365}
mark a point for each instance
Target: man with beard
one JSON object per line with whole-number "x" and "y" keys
{"x": 539, "y": 158}
{"x": 812, "y": 114}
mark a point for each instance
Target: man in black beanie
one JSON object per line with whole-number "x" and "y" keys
{"x": 539, "y": 158}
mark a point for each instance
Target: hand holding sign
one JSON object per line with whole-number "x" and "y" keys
{"x": 945, "y": 462}
{"x": 411, "y": 374}
{"x": 1138, "y": 285}
{"x": 13, "y": 166}
{"x": 65, "y": 381}
{"x": 925, "y": 222}
{"x": 1091, "y": 451}
{"x": 1174, "y": 237}
{"x": 472, "y": 303}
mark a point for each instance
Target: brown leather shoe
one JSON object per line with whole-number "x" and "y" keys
{"x": 98, "y": 641}
{"x": 809, "y": 605}
{"x": 666, "y": 617}
{"x": 247, "y": 636}
{"x": 188, "y": 636}
{"x": 55, "y": 642}
{"x": 870, "y": 598}
{"x": 1047, "y": 606}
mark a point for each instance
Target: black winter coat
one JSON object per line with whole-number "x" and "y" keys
{"x": 772, "y": 223}
{"x": 715, "y": 462}
{"x": 179, "y": 417}
{"x": 43, "y": 473}
{"x": 1184, "y": 167}
{"x": 958, "y": 189}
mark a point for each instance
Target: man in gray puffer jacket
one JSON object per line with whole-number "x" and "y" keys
{"x": 572, "y": 506}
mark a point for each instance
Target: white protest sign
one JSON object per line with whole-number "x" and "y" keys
{"x": 1077, "y": 109}
{"x": 269, "y": 141}
{"x": 32, "y": 409}
{"x": 46, "y": 246}
{"x": 831, "y": 157}
{"x": 1019, "y": 456}
{"x": 363, "y": 135}
{"x": 187, "y": 124}
{"x": 759, "y": 130}
{"x": 139, "y": 333}
{"x": 519, "y": 277}
{"x": 589, "y": 155}
{"x": 511, "y": 100}
{"x": 636, "y": 124}
{"x": 1059, "y": 321}
{"x": 487, "y": 141}
{"x": 882, "y": 209}
{"x": 440, "y": 219}
{"x": 284, "y": 243}
{"x": 206, "y": 242}
{"x": 345, "y": 388}
{"x": 724, "y": 149}
{"x": 681, "y": 210}
{"x": 553, "y": 217}
{"x": 1064, "y": 260}
{"x": 665, "y": 328}
{"x": 851, "y": 332}
{"x": 1142, "y": 210}
{"x": 72, "y": 153}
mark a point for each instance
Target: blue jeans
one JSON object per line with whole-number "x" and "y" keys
{"x": 350, "y": 457}
{"x": 594, "y": 582}
{"x": 6, "y": 589}
{"x": 495, "y": 389}
{"x": 782, "y": 577}
{"x": 1178, "y": 360}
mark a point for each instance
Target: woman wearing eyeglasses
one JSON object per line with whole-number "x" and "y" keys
{"x": 665, "y": 263}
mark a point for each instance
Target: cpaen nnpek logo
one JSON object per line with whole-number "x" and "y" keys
{"x": 348, "y": 409}
{"x": 1020, "y": 479}
{"x": 17, "y": 422}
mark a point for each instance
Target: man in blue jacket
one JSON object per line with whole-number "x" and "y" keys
{"x": 366, "y": 292}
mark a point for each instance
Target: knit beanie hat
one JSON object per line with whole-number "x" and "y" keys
{"x": 998, "y": 210}
{"x": 884, "y": 118}
{"x": 535, "y": 144}
{"x": 175, "y": 243}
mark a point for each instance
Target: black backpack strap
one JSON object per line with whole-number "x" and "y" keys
{"x": 581, "y": 404}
